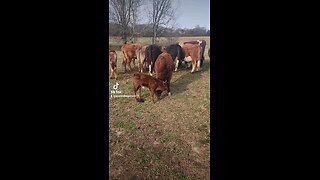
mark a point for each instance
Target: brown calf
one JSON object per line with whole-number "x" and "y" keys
{"x": 113, "y": 64}
{"x": 164, "y": 68}
{"x": 155, "y": 85}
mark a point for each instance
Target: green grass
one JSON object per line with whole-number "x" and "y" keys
{"x": 125, "y": 124}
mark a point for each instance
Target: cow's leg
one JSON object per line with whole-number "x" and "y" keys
{"x": 193, "y": 66}
{"x": 135, "y": 90}
{"x": 139, "y": 65}
{"x": 134, "y": 62}
{"x": 177, "y": 64}
{"x": 144, "y": 67}
{"x": 115, "y": 73}
{"x": 129, "y": 65}
{"x": 198, "y": 65}
{"x": 168, "y": 86}
{"x": 202, "y": 60}
{"x": 152, "y": 68}
{"x": 152, "y": 94}
{"x": 111, "y": 74}
{"x": 140, "y": 87}
{"x": 124, "y": 64}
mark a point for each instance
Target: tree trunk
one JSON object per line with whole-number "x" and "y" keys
{"x": 154, "y": 37}
{"x": 124, "y": 36}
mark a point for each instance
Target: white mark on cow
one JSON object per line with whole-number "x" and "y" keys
{"x": 177, "y": 64}
{"x": 193, "y": 67}
{"x": 199, "y": 41}
{"x": 188, "y": 59}
{"x": 169, "y": 93}
{"x": 150, "y": 70}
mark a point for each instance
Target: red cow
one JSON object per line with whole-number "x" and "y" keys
{"x": 155, "y": 85}
{"x": 113, "y": 64}
{"x": 164, "y": 68}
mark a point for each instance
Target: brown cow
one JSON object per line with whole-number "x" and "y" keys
{"x": 194, "y": 51}
{"x": 164, "y": 68}
{"x": 141, "y": 57}
{"x": 156, "y": 86}
{"x": 129, "y": 54}
{"x": 113, "y": 64}
{"x": 203, "y": 44}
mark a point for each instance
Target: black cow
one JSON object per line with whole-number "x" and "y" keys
{"x": 176, "y": 53}
{"x": 152, "y": 53}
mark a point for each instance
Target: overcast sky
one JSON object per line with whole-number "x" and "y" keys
{"x": 192, "y": 13}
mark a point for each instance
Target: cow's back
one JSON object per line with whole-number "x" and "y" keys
{"x": 164, "y": 66}
{"x": 152, "y": 52}
{"x": 191, "y": 49}
{"x": 175, "y": 51}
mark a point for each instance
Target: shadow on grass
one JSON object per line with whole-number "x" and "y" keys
{"x": 180, "y": 85}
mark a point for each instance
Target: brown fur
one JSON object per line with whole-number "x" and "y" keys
{"x": 113, "y": 64}
{"x": 163, "y": 49}
{"x": 155, "y": 85}
{"x": 129, "y": 54}
{"x": 202, "y": 44}
{"x": 141, "y": 57}
{"x": 164, "y": 68}
{"x": 194, "y": 51}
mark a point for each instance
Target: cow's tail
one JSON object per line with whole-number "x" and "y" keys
{"x": 149, "y": 57}
{"x": 181, "y": 54}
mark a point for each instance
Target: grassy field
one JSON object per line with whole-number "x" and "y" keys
{"x": 166, "y": 140}
{"x": 163, "y": 41}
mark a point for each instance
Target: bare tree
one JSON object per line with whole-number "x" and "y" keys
{"x": 135, "y": 14}
{"x": 161, "y": 13}
{"x": 121, "y": 12}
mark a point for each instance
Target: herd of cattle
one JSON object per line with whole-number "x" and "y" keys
{"x": 162, "y": 60}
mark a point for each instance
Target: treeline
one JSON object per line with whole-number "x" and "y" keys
{"x": 145, "y": 30}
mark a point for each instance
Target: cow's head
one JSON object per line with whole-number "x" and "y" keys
{"x": 162, "y": 86}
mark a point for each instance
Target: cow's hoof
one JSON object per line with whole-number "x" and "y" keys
{"x": 169, "y": 93}
{"x": 140, "y": 100}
